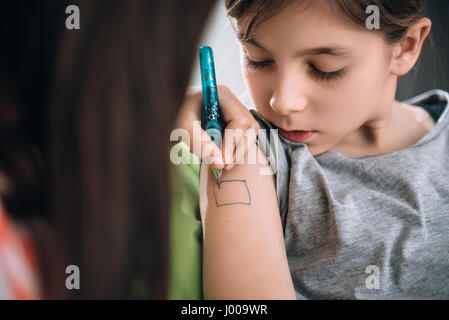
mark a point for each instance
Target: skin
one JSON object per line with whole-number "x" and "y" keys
{"x": 356, "y": 113}
{"x": 244, "y": 255}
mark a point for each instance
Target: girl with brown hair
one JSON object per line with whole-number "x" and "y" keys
{"x": 357, "y": 206}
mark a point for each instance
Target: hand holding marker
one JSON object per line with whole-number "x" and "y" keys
{"x": 213, "y": 117}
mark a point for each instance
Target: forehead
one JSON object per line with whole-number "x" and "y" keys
{"x": 307, "y": 24}
{"x": 284, "y": 9}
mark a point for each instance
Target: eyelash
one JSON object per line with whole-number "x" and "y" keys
{"x": 256, "y": 64}
{"x": 320, "y": 75}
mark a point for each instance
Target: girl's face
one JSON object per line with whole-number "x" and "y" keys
{"x": 308, "y": 70}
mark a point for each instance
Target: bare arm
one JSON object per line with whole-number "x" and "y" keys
{"x": 244, "y": 254}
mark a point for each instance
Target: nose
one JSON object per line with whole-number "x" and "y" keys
{"x": 288, "y": 95}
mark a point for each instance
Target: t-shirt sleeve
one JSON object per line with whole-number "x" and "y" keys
{"x": 185, "y": 276}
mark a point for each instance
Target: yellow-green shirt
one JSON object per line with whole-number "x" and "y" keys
{"x": 185, "y": 277}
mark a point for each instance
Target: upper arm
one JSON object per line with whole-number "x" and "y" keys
{"x": 243, "y": 251}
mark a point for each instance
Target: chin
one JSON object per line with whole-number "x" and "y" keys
{"x": 316, "y": 150}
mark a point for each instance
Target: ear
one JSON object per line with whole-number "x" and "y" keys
{"x": 406, "y": 53}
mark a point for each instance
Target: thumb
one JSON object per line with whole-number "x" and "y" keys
{"x": 211, "y": 154}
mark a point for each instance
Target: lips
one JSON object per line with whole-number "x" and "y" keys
{"x": 296, "y": 135}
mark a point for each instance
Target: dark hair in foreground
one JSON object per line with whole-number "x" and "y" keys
{"x": 84, "y": 124}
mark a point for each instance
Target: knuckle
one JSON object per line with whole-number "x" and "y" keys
{"x": 255, "y": 126}
{"x": 223, "y": 88}
{"x": 245, "y": 122}
{"x": 193, "y": 89}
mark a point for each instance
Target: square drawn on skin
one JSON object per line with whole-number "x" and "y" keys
{"x": 230, "y": 192}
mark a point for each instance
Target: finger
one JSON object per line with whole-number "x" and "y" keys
{"x": 231, "y": 107}
{"x": 233, "y": 133}
{"x": 210, "y": 152}
{"x": 245, "y": 144}
{"x": 204, "y": 148}
{"x": 236, "y": 116}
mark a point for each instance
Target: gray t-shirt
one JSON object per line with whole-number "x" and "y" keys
{"x": 367, "y": 227}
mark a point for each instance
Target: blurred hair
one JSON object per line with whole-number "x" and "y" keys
{"x": 84, "y": 125}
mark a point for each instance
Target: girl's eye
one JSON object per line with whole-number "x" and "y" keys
{"x": 321, "y": 75}
{"x": 254, "y": 65}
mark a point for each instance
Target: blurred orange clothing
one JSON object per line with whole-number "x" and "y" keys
{"x": 18, "y": 266}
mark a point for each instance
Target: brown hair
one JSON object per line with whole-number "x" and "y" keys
{"x": 85, "y": 117}
{"x": 396, "y": 15}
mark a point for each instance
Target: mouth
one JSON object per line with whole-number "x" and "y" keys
{"x": 297, "y": 135}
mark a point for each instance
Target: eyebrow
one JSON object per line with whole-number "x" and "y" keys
{"x": 331, "y": 50}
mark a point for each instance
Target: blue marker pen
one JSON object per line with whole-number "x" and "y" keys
{"x": 212, "y": 113}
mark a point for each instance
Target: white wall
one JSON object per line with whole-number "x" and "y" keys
{"x": 220, "y": 36}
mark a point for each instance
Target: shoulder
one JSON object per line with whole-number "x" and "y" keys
{"x": 422, "y": 116}
{"x": 432, "y": 105}
{"x": 426, "y": 109}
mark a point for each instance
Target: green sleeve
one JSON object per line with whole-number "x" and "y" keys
{"x": 185, "y": 277}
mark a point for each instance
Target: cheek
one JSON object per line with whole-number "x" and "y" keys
{"x": 259, "y": 88}
{"x": 357, "y": 96}
{"x": 341, "y": 109}
{"x": 368, "y": 89}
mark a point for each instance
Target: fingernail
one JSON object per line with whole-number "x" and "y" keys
{"x": 212, "y": 160}
{"x": 219, "y": 161}
{"x": 228, "y": 159}
{"x": 229, "y": 167}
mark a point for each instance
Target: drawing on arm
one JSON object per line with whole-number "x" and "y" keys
{"x": 224, "y": 198}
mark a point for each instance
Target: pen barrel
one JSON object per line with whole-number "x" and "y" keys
{"x": 212, "y": 114}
